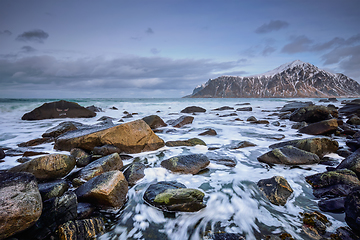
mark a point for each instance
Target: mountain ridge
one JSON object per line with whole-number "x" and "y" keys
{"x": 290, "y": 80}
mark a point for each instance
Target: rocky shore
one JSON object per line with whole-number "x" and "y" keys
{"x": 61, "y": 196}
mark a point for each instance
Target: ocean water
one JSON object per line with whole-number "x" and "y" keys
{"x": 234, "y": 202}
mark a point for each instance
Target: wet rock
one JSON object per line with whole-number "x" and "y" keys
{"x": 315, "y": 224}
{"x": 295, "y": 105}
{"x": 128, "y": 116}
{"x": 2, "y": 153}
{"x": 344, "y": 152}
{"x": 114, "y": 108}
{"x": 351, "y": 108}
{"x": 181, "y": 121}
{"x": 59, "y": 109}
{"x": 190, "y": 142}
{"x": 94, "y": 108}
{"x": 82, "y": 158}
{"x": 193, "y": 109}
{"x": 47, "y": 167}
{"x": 131, "y": 137}
{"x": 227, "y": 236}
{"x": 299, "y": 125}
{"x": 61, "y": 129}
{"x": 210, "y": 132}
{"x": 35, "y": 142}
{"x": 186, "y": 164}
{"x": 313, "y": 114}
{"x": 242, "y": 104}
{"x": 240, "y": 144}
{"x": 261, "y": 122}
{"x": 322, "y": 127}
{"x": 276, "y": 123}
{"x": 333, "y": 191}
{"x": 84, "y": 210}
{"x": 154, "y": 121}
{"x": 32, "y": 153}
{"x": 134, "y": 173}
{"x": 106, "y": 150}
{"x": 106, "y": 118}
{"x": 319, "y": 146}
{"x": 97, "y": 167}
{"x": 223, "y": 108}
{"x": 289, "y": 155}
{"x": 354, "y": 120}
{"x": 109, "y": 189}
{"x": 352, "y": 210}
{"x": 345, "y": 233}
{"x": 174, "y": 196}
{"x": 353, "y": 144}
{"x": 326, "y": 179}
{"x": 244, "y": 109}
{"x": 352, "y": 162}
{"x": 81, "y": 229}
{"x": 20, "y": 202}
{"x": 251, "y": 119}
{"x": 276, "y": 189}
{"x": 334, "y": 205}
{"x": 228, "y": 115}
{"x": 53, "y": 189}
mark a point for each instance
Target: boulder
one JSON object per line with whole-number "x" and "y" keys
{"x": 326, "y": 179}
{"x": 240, "y": 144}
{"x": 249, "y": 109}
{"x": 97, "y": 167}
{"x": 53, "y": 189}
{"x": 299, "y": 125}
{"x": 47, "y": 167}
{"x": 81, "y": 229}
{"x": 319, "y": 146}
{"x": 251, "y": 119}
{"x": 222, "y": 159}
{"x": 109, "y": 189}
{"x": 229, "y": 115}
{"x": 354, "y": 120}
{"x": 345, "y": 233}
{"x": 35, "y": 142}
{"x": 59, "y": 109}
{"x": 334, "y": 205}
{"x": 351, "y": 108}
{"x": 154, "y": 121}
{"x": 352, "y": 162}
{"x": 2, "y": 153}
{"x": 131, "y": 137}
{"x": 289, "y": 155}
{"x": 322, "y": 127}
{"x": 352, "y": 210}
{"x": 186, "y": 164}
{"x": 190, "y": 142}
{"x": 20, "y": 202}
{"x": 134, "y": 173}
{"x": 315, "y": 224}
{"x": 353, "y": 144}
{"x": 210, "y": 132}
{"x": 106, "y": 150}
{"x": 223, "y": 108}
{"x": 295, "y": 105}
{"x": 84, "y": 210}
{"x": 313, "y": 114}
{"x": 181, "y": 121}
{"x": 106, "y": 118}
{"x": 94, "y": 108}
{"x": 333, "y": 191}
{"x": 193, "y": 109}
{"x": 226, "y": 236}
{"x": 82, "y": 158}
{"x": 276, "y": 189}
{"x": 174, "y": 196}
{"x": 61, "y": 129}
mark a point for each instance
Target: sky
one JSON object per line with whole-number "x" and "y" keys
{"x": 165, "y": 48}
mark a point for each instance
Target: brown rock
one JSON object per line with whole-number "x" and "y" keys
{"x": 276, "y": 189}
{"x": 319, "y": 128}
{"x": 81, "y": 229}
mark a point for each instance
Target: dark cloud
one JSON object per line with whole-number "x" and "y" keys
{"x": 28, "y": 49}
{"x": 336, "y": 42}
{"x": 272, "y": 26}
{"x": 155, "y": 51}
{"x": 297, "y": 44}
{"x": 268, "y": 50}
{"x": 5, "y": 32}
{"x": 36, "y": 35}
{"x": 149, "y": 31}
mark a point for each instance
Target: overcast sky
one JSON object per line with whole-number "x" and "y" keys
{"x": 165, "y": 48}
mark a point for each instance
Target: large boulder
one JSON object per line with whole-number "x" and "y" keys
{"x": 47, "y": 167}
{"x": 190, "y": 142}
{"x": 193, "y": 109}
{"x": 326, "y": 179}
{"x": 154, "y": 121}
{"x": 289, "y": 155}
{"x": 59, "y": 109}
{"x": 351, "y": 108}
{"x": 319, "y": 146}
{"x": 313, "y": 114}
{"x": 20, "y": 202}
{"x": 352, "y": 210}
{"x": 174, "y": 196}
{"x": 108, "y": 189}
{"x": 352, "y": 162}
{"x": 81, "y": 229}
{"x": 97, "y": 167}
{"x": 276, "y": 189}
{"x": 322, "y": 127}
{"x": 295, "y": 105}
{"x": 131, "y": 137}
{"x": 187, "y": 164}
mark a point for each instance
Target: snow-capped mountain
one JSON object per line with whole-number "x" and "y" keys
{"x": 294, "y": 79}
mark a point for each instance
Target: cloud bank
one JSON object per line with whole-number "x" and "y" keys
{"x": 272, "y": 26}
{"x": 36, "y": 35}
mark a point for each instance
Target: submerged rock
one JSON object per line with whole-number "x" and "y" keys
{"x": 186, "y": 164}
{"x": 289, "y": 155}
{"x": 59, "y": 109}
{"x": 276, "y": 189}
{"x": 36, "y": 141}
{"x": 322, "y": 127}
{"x": 20, "y": 202}
{"x": 174, "y": 196}
{"x": 81, "y": 229}
{"x": 240, "y": 144}
{"x": 154, "y": 121}
{"x": 190, "y": 142}
{"x": 193, "y": 109}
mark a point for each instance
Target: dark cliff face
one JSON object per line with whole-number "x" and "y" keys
{"x": 296, "y": 79}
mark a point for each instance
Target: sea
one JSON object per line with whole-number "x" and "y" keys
{"x": 234, "y": 201}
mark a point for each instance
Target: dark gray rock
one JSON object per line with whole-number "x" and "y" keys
{"x": 227, "y": 236}
{"x": 134, "y": 173}
{"x": 223, "y": 108}
{"x": 251, "y": 119}
{"x": 335, "y": 205}
{"x": 249, "y": 109}
{"x": 82, "y": 229}
{"x": 210, "y": 132}
{"x": 352, "y": 210}
{"x": 352, "y": 162}
{"x": 181, "y": 121}
{"x": 2, "y": 153}
{"x": 62, "y": 128}
{"x": 106, "y": 150}
{"x": 354, "y": 120}
{"x": 94, "y": 108}
{"x": 36, "y": 141}
{"x": 190, "y": 142}
{"x": 289, "y": 155}
{"x": 295, "y": 105}
{"x": 240, "y": 144}
{"x": 193, "y": 109}
{"x": 186, "y": 164}
{"x": 333, "y": 191}
{"x": 351, "y": 108}
{"x": 345, "y": 233}
{"x": 312, "y": 114}
{"x": 322, "y": 127}
{"x": 154, "y": 121}
{"x": 299, "y": 125}
{"x": 82, "y": 158}
{"x": 276, "y": 189}
{"x": 53, "y": 189}
{"x": 84, "y": 210}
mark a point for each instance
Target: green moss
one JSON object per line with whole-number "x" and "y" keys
{"x": 196, "y": 141}
{"x": 181, "y": 195}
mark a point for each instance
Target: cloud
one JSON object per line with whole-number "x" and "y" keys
{"x": 297, "y": 44}
{"x": 268, "y": 50}
{"x": 28, "y": 49}
{"x": 5, "y": 32}
{"x": 336, "y": 42}
{"x": 155, "y": 51}
{"x": 36, "y": 35}
{"x": 271, "y": 26}
{"x": 149, "y": 31}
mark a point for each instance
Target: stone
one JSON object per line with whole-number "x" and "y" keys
{"x": 295, "y": 105}
{"x": 2, "y": 153}
{"x": 59, "y": 109}
{"x": 108, "y": 189}
{"x": 94, "y": 108}
{"x": 276, "y": 189}
{"x": 61, "y": 129}
{"x": 352, "y": 162}
{"x": 240, "y": 144}
{"x": 315, "y": 224}
{"x": 345, "y": 233}
{"x": 299, "y": 125}
{"x": 352, "y": 210}
{"x": 106, "y": 118}
{"x": 35, "y": 142}
{"x": 174, "y": 196}
{"x": 190, "y": 142}
{"x": 84, "y": 210}
{"x": 333, "y": 191}
{"x": 351, "y": 108}
{"x": 193, "y": 109}
{"x": 353, "y": 144}
{"x": 354, "y": 120}
{"x": 334, "y": 205}
{"x": 229, "y": 115}
{"x": 251, "y": 119}
{"x": 131, "y": 137}
{"x": 210, "y": 132}
{"x": 186, "y": 164}
{"x": 289, "y": 155}
{"x": 276, "y": 123}
{"x": 81, "y": 229}
{"x": 154, "y": 121}
{"x": 106, "y": 150}
{"x": 313, "y": 114}
{"x": 82, "y": 158}
{"x": 53, "y": 189}
{"x": 326, "y": 179}
{"x": 20, "y": 202}
{"x": 223, "y": 108}
{"x": 134, "y": 173}
{"x": 227, "y": 236}
{"x": 31, "y": 153}
{"x": 249, "y": 109}
{"x": 97, "y": 167}
{"x": 261, "y": 122}
{"x": 322, "y": 127}
{"x": 319, "y": 146}
{"x": 181, "y": 121}
{"x": 47, "y": 167}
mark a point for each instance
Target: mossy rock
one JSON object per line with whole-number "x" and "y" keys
{"x": 189, "y": 143}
